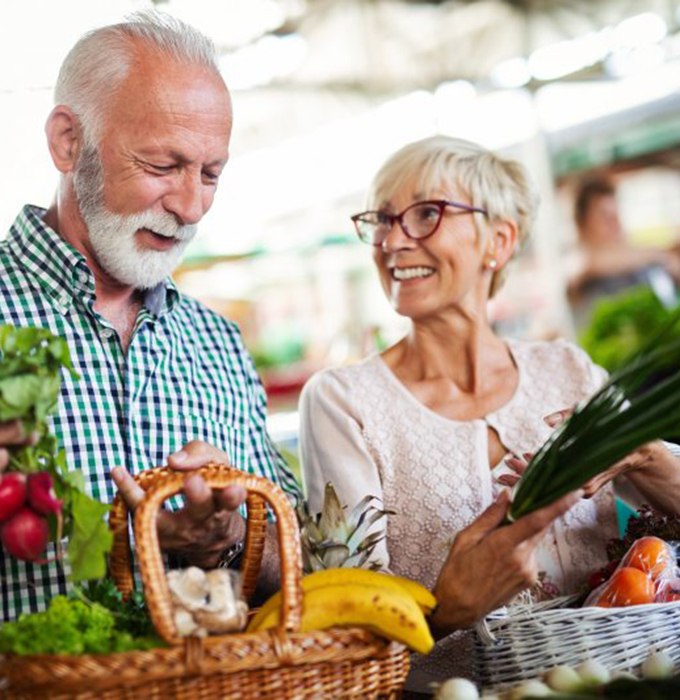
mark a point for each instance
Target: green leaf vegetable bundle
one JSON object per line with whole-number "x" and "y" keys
{"x": 40, "y": 499}
{"x": 634, "y": 407}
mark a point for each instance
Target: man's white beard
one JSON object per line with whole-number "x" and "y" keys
{"x": 113, "y": 236}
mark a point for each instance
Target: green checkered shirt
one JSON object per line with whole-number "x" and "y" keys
{"x": 186, "y": 376}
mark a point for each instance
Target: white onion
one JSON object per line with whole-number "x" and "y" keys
{"x": 457, "y": 689}
{"x": 593, "y": 672}
{"x": 623, "y": 675}
{"x": 530, "y": 689}
{"x": 563, "y": 678}
{"x": 657, "y": 665}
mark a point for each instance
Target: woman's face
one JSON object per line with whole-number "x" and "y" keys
{"x": 427, "y": 277}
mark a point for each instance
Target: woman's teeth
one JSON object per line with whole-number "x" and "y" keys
{"x": 409, "y": 273}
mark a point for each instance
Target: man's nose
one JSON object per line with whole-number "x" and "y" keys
{"x": 189, "y": 199}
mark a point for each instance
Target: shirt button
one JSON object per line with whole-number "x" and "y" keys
{"x": 107, "y": 333}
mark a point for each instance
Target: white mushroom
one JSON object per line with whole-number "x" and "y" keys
{"x": 189, "y": 587}
{"x": 205, "y": 602}
{"x": 223, "y": 611}
{"x": 185, "y": 624}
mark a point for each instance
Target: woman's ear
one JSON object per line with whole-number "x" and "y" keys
{"x": 64, "y": 138}
{"x": 502, "y": 242}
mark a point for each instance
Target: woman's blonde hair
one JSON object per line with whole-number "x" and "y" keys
{"x": 501, "y": 186}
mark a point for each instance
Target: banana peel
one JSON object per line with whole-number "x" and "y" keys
{"x": 362, "y": 598}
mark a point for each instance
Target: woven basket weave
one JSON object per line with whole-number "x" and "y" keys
{"x": 279, "y": 663}
{"x": 529, "y": 640}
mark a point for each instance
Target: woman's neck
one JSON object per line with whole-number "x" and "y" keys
{"x": 463, "y": 351}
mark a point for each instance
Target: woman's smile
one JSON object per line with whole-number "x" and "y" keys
{"x": 403, "y": 274}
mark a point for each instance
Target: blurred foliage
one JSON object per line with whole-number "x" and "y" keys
{"x": 278, "y": 353}
{"x": 620, "y": 325}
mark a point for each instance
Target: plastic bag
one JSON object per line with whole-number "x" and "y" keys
{"x": 647, "y": 573}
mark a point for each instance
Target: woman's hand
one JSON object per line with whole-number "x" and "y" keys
{"x": 652, "y": 469}
{"x": 519, "y": 463}
{"x": 488, "y": 564}
{"x": 209, "y": 521}
{"x": 590, "y": 488}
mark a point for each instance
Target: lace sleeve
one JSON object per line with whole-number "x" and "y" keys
{"x": 333, "y": 448}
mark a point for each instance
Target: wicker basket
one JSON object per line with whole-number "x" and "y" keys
{"x": 280, "y": 663}
{"x": 524, "y": 641}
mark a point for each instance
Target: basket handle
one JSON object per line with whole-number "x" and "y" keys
{"x": 163, "y": 483}
{"x": 120, "y": 561}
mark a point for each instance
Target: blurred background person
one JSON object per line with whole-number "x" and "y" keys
{"x": 605, "y": 262}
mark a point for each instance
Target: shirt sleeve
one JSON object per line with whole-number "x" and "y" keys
{"x": 333, "y": 449}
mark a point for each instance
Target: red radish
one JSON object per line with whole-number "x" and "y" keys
{"x": 25, "y": 535}
{"x": 41, "y": 494}
{"x": 12, "y": 494}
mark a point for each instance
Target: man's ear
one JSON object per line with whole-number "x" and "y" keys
{"x": 64, "y": 138}
{"x": 502, "y": 241}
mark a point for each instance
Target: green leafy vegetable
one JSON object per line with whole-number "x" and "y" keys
{"x": 90, "y": 538}
{"x": 627, "y": 412}
{"x": 30, "y": 380}
{"x": 70, "y": 627}
{"x": 621, "y": 324}
{"x": 131, "y": 613}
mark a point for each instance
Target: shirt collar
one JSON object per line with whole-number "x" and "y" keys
{"x": 62, "y": 271}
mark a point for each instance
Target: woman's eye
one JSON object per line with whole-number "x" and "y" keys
{"x": 427, "y": 213}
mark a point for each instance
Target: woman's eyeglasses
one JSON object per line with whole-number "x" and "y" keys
{"x": 417, "y": 221}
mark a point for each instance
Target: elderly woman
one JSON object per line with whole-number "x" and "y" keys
{"x": 427, "y": 424}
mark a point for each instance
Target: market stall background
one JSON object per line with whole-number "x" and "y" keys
{"x": 324, "y": 90}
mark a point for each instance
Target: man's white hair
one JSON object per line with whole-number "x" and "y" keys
{"x": 101, "y": 59}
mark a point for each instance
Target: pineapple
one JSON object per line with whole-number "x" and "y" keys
{"x": 331, "y": 539}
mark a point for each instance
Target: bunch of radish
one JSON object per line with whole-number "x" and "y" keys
{"x": 26, "y": 501}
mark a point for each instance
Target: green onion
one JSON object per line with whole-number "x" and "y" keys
{"x": 631, "y": 409}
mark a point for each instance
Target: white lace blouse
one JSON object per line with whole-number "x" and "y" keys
{"x": 361, "y": 429}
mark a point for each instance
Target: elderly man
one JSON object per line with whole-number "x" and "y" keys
{"x": 140, "y": 135}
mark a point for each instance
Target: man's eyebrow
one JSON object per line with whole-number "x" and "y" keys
{"x": 179, "y": 157}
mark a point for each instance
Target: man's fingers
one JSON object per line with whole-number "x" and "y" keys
{"x": 129, "y": 489}
{"x": 199, "y": 502}
{"x": 533, "y": 525}
{"x": 195, "y": 454}
{"x": 231, "y": 497}
{"x": 13, "y": 433}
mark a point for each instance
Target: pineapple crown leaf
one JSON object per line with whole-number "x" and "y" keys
{"x": 332, "y": 518}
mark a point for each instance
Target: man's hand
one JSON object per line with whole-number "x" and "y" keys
{"x": 488, "y": 565}
{"x": 12, "y": 433}
{"x": 209, "y": 521}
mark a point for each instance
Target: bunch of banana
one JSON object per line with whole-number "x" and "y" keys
{"x": 391, "y": 606}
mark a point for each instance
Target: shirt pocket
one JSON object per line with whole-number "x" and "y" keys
{"x": 219, "y": 434}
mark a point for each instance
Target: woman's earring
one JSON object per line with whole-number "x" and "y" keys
{"x": 492, "y": 264}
